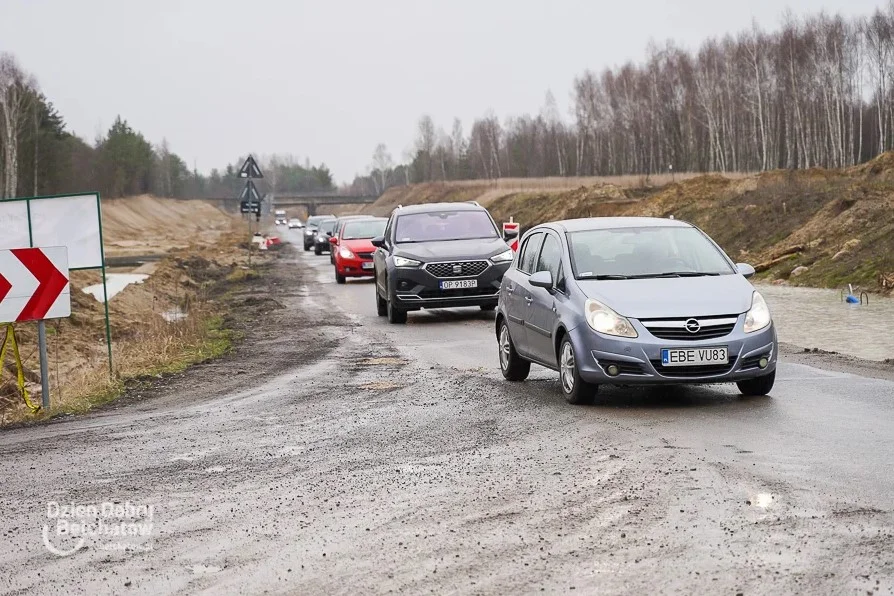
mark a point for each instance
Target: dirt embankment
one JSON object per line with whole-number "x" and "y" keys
{"x": 167, "y": 322}
{"x": 814, "y": 227}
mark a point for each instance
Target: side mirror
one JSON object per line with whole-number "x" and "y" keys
{"x": 542, "y": 279}
{"x": 378, "y": 242}
{"x": 333, "y": 240}
{"x": 745, "y": 269}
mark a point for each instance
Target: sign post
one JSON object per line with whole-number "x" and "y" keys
{"x": 250, "y": 198}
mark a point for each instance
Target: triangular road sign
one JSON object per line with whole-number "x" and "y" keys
{"x": 250, "y": 169}
{"x": 250, "y": 193}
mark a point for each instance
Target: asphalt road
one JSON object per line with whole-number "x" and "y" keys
{"x": 334, "y": 453}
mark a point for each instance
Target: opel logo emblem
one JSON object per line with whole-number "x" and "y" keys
{"x": 692, "y": 326}
{"x": 457, "y": 268}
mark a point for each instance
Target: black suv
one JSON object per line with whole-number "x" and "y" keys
{"x": 439, "y": 255}
{"x": 311, "y": 228}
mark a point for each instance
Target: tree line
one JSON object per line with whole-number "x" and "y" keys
{"x": 39, "y": 156}
{"x": 819, "y": 91}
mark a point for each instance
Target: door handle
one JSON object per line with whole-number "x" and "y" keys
{"x": 510, "y": 289}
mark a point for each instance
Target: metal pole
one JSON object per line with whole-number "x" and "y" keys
{"x": 44, "y": 374}
{"x": 249, "y": 231}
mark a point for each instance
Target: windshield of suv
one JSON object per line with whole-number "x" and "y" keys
{"x": 314, "y": 220}
{"x": 444, "y": 225}
{"x": 356, "y": 230}
{"x": 327, "y": 226}
{"x": 637, "y": 253}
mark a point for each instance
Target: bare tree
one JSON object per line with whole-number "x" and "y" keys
{"x": 17, "y": 90}
{"x": 382, "y": 164}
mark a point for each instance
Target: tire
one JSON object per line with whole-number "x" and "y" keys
{"x": 757, "y": 387}
{"x": 396, "y": 316}
{"x": 381, "y": 304}
{"x": 339, "y": 279}
{"x": 317, "y": 250}
{"x": 576, "y": 390}
{"x": 306, "y": 248}
{"x": 513, "y": 366}
{"x": 488, "y": 307}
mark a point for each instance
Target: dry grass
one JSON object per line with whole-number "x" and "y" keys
{"x": 571, "y": 182}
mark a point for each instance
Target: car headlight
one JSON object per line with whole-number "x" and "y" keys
{"x": 604, "y": 320}
{"x": 405, "y": 262}
{"x": 346, "y": 254}
{"x": 758, "y": 317}
{"x": 309, "y": 232}
{"x": 503, "y": 257}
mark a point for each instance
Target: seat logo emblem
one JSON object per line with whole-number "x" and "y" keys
{"x": 692, "y": 326}
{"x": 457, "y": 268}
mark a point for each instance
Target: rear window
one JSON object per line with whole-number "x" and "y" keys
{"x": 356, "y": 230}
{"x": 444, "y": 225}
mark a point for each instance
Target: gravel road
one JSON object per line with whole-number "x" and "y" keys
{"x": 333, "y": 453}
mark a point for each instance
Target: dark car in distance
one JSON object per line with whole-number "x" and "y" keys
{"x": 321, "y": 238}
{"x": 440, "y": 255}
{"x": 310, "y": 229}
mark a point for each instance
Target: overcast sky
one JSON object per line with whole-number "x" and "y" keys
{"x": 329, "y": 79}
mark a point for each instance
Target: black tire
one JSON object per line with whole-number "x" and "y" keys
{"x": 757, "y": 387}
{"x": 381, "y": 304}
{"x": 513, "y": 366}
{"x": 396, "y": 316}
{"x": 575, "y": 390}
{"x": 317, "y": 250}
{"x": 339, "y": 279}
{"x": 306, "y": 248}
{"x": 488, "y": 307}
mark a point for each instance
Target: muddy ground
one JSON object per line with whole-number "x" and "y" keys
{"x": 333, "y": 453}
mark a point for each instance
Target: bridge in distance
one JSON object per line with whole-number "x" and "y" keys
{"x": 310, "y": 201}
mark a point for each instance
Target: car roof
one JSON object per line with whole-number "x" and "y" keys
{"x": 432, "y": 207}
{"x": 355, "y": 217}
{"x": 613, "y": 223}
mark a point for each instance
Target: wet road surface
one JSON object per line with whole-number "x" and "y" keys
{"x": 334, "y": 453}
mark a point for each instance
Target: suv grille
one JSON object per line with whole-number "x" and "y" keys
{"x": 457, "y": 268}
{"x": 459, "y": 293}
{"x": 675, "y": 329}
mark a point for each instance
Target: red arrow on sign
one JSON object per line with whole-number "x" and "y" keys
{"x": 51, "y": 281}
{"x": 5, "y": 287}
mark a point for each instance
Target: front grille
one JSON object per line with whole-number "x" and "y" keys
{"x": 458, "y": 293}
{"x": 673, "y": 329}
{"x": 365, "y": 255}
{"x": 707, "y": 370}
{"x": 627, "y": 368}
{"x": 457, "y": 268}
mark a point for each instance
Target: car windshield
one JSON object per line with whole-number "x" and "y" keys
{"x": 444, "y": 225}
{"x": 357, "y": 230}
{"x": 327, "y": 226}
{"x": 314, "y": 220}
{"x": 644, "y": 252}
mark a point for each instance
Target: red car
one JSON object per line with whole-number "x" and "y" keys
{"x": 353, "y": 249}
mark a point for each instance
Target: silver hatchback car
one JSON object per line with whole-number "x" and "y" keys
{"x": 632, "y": 301}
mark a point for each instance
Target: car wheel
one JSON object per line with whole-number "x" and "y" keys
{"x": 488, "y": 307}
{"x": 381, "y": 305}
{"x": 513, "y": 366}
{"x": 339, "y": 279}
{"x": 759, "y": 386}
{"x": 317, "y": 250}
{"x": 576, "y": 390}
{"x": 306, "y": 248}
{"x": 395, "y": 315}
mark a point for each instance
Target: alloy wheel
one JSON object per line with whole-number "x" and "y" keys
{"x": 566, "y": 368}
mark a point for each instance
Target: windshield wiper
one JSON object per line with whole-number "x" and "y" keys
{"x": 606, "y": 277}
{"x": 673, "y": 274}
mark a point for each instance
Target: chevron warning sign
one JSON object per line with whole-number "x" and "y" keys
{"x": 34, "y": 284}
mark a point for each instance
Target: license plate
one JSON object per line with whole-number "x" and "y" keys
{"x": 459, "y": 284}
{"x": 694, "y": 356}
{"x": 369, "y": 265}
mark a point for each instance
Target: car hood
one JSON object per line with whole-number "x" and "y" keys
{"x": 672, "y": 297}
{"x": 358, "y": 245}
{"x": 446, "y": 250}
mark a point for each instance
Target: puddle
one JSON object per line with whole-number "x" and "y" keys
{"x": 817, "y": 318}
{"x": 761, "y": 500}
{"x": 115, "y": 282}
{"x": 204, "y": 569}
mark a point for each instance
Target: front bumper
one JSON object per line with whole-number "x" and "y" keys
{"x": 323, "y": 246}
{"x": 414, "y": 288}
{"x": 639, "y": 359}
{"x": 353, "y": 267}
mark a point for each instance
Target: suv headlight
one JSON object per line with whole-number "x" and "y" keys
{"x": 405, "y": 262}
{"x": 503, "y": 257}
{"x": 604, "y": 320}
{"x": 309, "y": 232}
{"x": 345, "y": 253}
{"x": 758, "y": 317}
